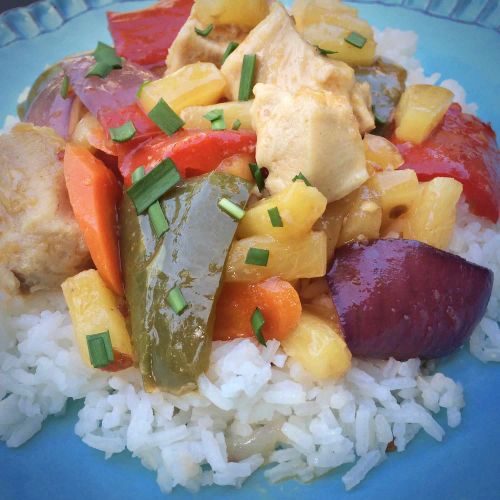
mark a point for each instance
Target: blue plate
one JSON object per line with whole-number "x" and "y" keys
{"x": 458, "y": 38}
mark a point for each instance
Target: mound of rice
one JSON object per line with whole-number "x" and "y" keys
{"x": 252, "y": 396}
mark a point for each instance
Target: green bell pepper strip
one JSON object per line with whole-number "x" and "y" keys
{"x": 173, "y": 350}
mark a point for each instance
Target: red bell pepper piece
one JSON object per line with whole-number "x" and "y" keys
{"x": 465, "y": 148}
{"x": 195, "y": 152}
{"x": 144, "y": 36}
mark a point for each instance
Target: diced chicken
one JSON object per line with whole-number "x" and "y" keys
{"x": 189, "y": 47}
{"x": 40, "y": 241}
{"x": 286, "y": 60}
{"x": 309, "y": 131}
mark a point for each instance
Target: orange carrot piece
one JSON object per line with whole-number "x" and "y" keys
{"x": 94, "y": 193}
{"x": 278, "y": 301}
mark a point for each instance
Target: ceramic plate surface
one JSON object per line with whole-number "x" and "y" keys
{"x": 457, "y": 38}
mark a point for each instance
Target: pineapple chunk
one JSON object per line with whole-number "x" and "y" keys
{"x": 299, "y": 206}
{"x": 363, "y": 218}
{"x": 331, "y": 223}
{"x": 242, "y": 13}
{"x": 307, "y": 12}
{"x": 332, "y": 37}
{"x": 397, "y": 190}
{"x": 94, "y": 308}
{"x": 237, "y": 165}
{"x": 194, "y": 116}
{"x": 381, "y": 154}
{"x": 292, "y": 259}
{"x": 197, "y": 84}
{"x": 420, "y": 109}
{"x": 318, "y": 345}
{"x": 432, "y": 216}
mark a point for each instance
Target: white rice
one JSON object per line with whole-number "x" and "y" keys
{"x": 192, "y": 440}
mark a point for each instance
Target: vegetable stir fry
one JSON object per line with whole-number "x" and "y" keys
{"x": 235, "y": 171}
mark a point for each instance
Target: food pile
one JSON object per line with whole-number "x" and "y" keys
{"x": 232, "y": 181}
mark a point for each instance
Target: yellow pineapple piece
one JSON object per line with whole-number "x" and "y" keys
{"x": 304, "y": 257}
{"x": 318, "y": 345}
{"x": 299, "y": 206}
{"x": 194, "y": 116}
{"x": 420, "y": 109}
{"x": 331, "y": 224}
{"x": 94, "y": 308}
{"x": 241, "y": 13}
{"x": 306, "y": 12}
{"x": 237, "y": 165}
{"x": 197, "y": 84}
{"x": 381, "y": 154}
{"x": 431, "y": 218}
{"x": 397, "y": 190}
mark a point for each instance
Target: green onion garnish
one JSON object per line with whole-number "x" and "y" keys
{"x": 176, "y": 300}
{"x": 275, "y": 217}
{"x": 156, "y": 216}
{"x": 231, "y": 209}
{"x": 231, "y": 47}
{"x": 153, "y": 185}
{"x": 258, "y": 322}
{"x": 356, "y": 39}
{"x": 123, "y": 133}
{"x": 236, "y": 124}
{"x": 64, "y": 87}
{"x": 247, "y": 74}
{"x": 216, "y": 118}
{"x": 301, "y": 177}
{"x": 158, "y": 219}
{"x": 257, "y": 257}
{"x": 257, "y": 175}
{"x": 206, "y": 31}
{"x": 100, "y": 349}
{"x": 107, "y": 55}
{"x": 166, "y": 118}
{"x": 325, "y": 52}
{"x": 139, "y": 90}
{"x": 100, "y": 69}
{"x": 138, "y": 173}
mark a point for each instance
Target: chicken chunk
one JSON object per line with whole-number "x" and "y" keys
{"x": 309, "y": 131}
{"x": 40, "y": 241}
{"x": 189, "y": 47}
{"x": 286, "y": 60}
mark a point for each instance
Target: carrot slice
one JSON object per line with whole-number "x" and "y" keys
{"x": 278, "y": 301}
{"x": 94, "y": 193}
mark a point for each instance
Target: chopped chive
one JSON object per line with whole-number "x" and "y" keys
{"x": 156, "y": 183}
{"x": 139, "y": 90}
{"x": 257, "y": 175}
{"x": 247, "y": 74}
{"x": 275, "y": 217}
{"x": 158, "y": 219}
{"x": 356, "y": 39}
{"x": 216, "y": 118}
{"x": 107, "y": 55}
{"x": 301, "y": 177}
{"x": 166, "y": 118}
{"x": 100, "y": 69}
{"x": 176, "y": 300}
{"x": 258, "y": 322}
{"x": 236, "y": 124}
{"x": 64, "y": 87}
{"x": 325, "y": 52}
{"x": 100, "y": 349}
{"x": 257, "y": 257}
{"x": 123, "y": 133}
{"x": 231, "y": 209}
{"x": 214, "y": 115}
{"x": 138, "y": 173}
{"x": 206, "y": 31}
{"x": 156, "y": 216}
{"x": 231, "y": 47}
